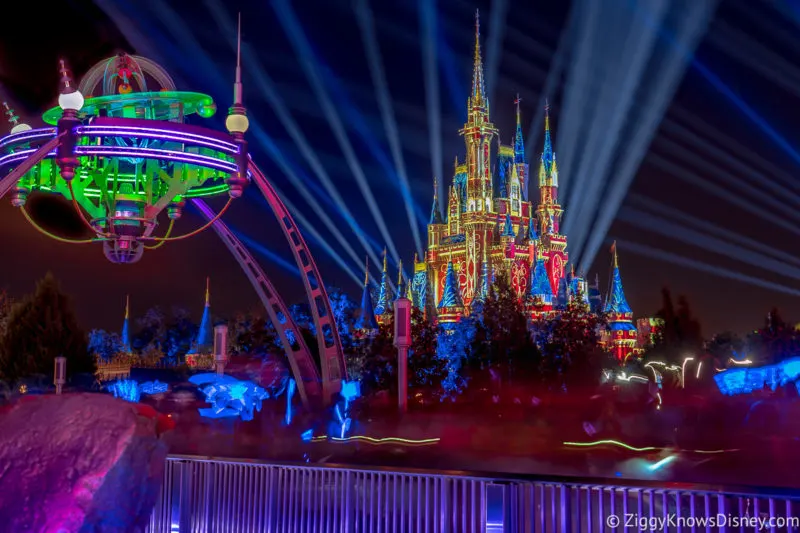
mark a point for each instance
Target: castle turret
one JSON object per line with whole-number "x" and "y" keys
{"x": 125, "y": 338}
{"x": 204, "y": 342}
{"x": 384, "y": 306}
{"x": 366, "y": 322}
{"x": 620, "y": 316}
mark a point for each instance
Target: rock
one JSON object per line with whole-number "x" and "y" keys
{"x": 79, "y": 463}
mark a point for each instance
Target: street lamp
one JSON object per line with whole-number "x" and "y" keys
{"x": 60, "y": 373}
{"x": 402, "y": 340}
{"x": 221, "y": 347}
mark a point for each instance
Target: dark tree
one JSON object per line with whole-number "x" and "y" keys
{"x": 502, "y": 338}
{"x": 571, "y": 354}
{"x": 41, "y": 327}
{"x": 774, "y": 341}
{"x": 723, "y": 347}
{"x": 252, "y": 335}
{"x": 380, "y": 360}
{"x": 425, "y": 369}
{"x": 6, "y": 303}
{"x": 680, "y": 336}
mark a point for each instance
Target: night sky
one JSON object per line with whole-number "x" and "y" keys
{"x": 750, "y": 46}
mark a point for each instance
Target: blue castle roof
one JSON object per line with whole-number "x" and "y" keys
{"x": 616, "y": 302}
{"x": 540, "y": 283}
{"x": 451, "y": 296}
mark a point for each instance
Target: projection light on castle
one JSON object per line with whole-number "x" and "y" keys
{"x": 121, "y": 153}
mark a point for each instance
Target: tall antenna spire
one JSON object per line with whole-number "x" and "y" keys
{"x": 127, "y": 306}
{"x": 384, "y": 259}
{"x": 366, "y": 272}
{"x": 237, "y": 121}
{"x": 237, "y": 84}
{"x": 517, "y": 101}
{"x": 208, "y": 291}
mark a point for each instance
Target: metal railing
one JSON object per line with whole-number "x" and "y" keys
{"x": 233, "y": 496}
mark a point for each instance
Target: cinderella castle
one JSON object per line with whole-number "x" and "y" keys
{"x": 488, "y": 224}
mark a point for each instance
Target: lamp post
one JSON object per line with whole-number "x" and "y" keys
{"x": 60, "y": 373}
{"x": 221, "y": 347}
{"x": 402, "y": 340}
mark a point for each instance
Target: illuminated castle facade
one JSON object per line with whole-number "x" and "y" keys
{"x": 487, "y": 224}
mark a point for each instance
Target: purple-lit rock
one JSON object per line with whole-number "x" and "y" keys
{"x": 79, "y": 463}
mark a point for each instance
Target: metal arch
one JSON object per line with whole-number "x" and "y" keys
{"x": 330, "y": 347}
{"x": 300, "y": 359}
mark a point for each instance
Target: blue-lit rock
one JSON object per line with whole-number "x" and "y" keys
{"x": 748, "y": 380}
{"x": 79, "y": 463}
{"x": 229, "y": 396}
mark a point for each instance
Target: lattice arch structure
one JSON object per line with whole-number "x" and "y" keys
{"x": 312, "y": 390}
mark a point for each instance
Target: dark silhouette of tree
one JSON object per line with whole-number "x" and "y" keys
{"x": 6, "y": 302}
{"x": 774, "y": 341}
{"x": 681, "y": 335}
{"x": 152, "y": 330}
{"x": 502, "y": 340}
{"x": 723, "y": 347}
{"x": 251, "y": 335}
{"x": 41, "y": 327}
{"x": 425, "y": 368}
{"x": 379, "y": 360}
{"x": 571, "y": 354}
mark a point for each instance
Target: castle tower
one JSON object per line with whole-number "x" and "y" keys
{"x": 366, "y": 322}
{"x": 384, "y": 306}
{"x": 554, "y": 244}
{"x": 620, "y": 316}
{"x": 478, "y": 217}
{"x": 126, "y": 337}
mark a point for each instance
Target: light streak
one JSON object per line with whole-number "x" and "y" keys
{"x": 699, "y": 367}
{"x": 266, "y": 88}
{"x": 683, "y": 371}
{"x": 428, "y": 22}
{"x": 692, "y": 25}
{"x": 663, "y": 462}
{"x": 377, "y": 440}
{"x": 662, "y": 255}
{"x": 641, "y": 449}
{"x": 368, "y": 35}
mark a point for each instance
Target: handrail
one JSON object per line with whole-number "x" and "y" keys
{"x": 507, "y": 477}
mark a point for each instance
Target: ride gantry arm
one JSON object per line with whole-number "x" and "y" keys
{"x": 332, "y": 361}
{"x": 300, "y": 359}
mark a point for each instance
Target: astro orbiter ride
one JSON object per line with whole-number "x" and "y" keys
{"x": 124, "y": 155}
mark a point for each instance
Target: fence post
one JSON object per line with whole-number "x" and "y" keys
{"x": 498, "y": 508}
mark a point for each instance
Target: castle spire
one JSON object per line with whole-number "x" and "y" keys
{"x": 436, "y": 212}
{"x": 616, "y": 302}
{"x": 204, "y": 341}
{"x": 519, "y": 143}
{"x": 478, "y": 96}
{"x": 126, "y": 336}
{"x": 401, "y": 293}
{"x": 384, "y": 304}
{"x": 547, "y": 154}
{"x": 366, "y": 321}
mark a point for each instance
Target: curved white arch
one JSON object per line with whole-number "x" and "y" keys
{"x": 300, "y": 359}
